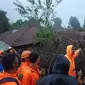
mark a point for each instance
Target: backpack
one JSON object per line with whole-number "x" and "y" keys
{"x": 9, "y": 79}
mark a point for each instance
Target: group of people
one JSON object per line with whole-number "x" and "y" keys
{"x": 24, "y": 69}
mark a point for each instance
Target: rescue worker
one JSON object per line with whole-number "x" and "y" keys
{"x": 59, "y": 74}
{"x": 23, "y": 70}
{"x": 11, "y": 50}
{"x": 34, "y": 59}
{"x": 9, "y": 75}
{"x": 71, "y": 54}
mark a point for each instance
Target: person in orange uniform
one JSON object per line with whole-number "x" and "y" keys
{"x": 71, "y": 54}
{"x": 9, "y": 75}
{"x": 23, "y": 70}
{"x": 34, "y": 59}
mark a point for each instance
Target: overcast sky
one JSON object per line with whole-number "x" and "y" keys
{"x": 65, "y": 9}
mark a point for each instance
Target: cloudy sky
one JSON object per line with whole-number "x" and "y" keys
{"x": 65, "y": 9}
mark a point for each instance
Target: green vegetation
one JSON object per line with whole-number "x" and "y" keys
{"x": 44, "y": 11}
{"x": 4, "y": 22}
{"x": 74, "y": 22}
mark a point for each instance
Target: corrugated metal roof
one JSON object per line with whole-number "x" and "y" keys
{"x": 20, "y": 37}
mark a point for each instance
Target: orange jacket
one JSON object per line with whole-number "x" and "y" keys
{"x": 33, "y": 75}
{"x": 25, "y": 72}
{"x": 71, "y": 58}
{"x": 29, "y": 75}
{"x": 4, "y": 74}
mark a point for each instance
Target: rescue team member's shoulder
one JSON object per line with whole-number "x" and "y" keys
{"x": 9, "y": 75}
{"x": 26, "y": 74}
{"x": 34, "y": 74}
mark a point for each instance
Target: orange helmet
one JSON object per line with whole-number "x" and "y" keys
{"x": 25, "y": 54}
{"x": 1, "y": 52}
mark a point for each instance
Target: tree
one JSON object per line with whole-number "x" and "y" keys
{"x": 33, "y": 22}
{"x": 17, "y": 24}
{"x": 41, "y": 10}
{"x": 74, "y": 22}
{"x": 57, "y": 23}
{"x": 4, "y": 22}
{"x": 84, "y": 24}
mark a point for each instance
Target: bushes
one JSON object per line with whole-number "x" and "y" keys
{"x": 45, "y": 35}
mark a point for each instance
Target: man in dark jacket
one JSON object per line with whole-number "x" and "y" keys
{"x": 59, "y": 74}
